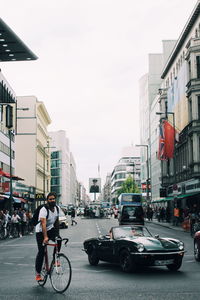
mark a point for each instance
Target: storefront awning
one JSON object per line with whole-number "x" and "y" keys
{"x": 187, "y": 195}
{"x": 15, "y": 199}
{"x": 7, "y": 175}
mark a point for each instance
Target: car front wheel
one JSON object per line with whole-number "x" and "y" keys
{"x": 126, "y": 262}
{"x": 196, "y": 251}
{"x": 175, "y": 266}
{"x": 93, "y": 258}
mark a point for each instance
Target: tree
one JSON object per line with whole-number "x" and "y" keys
{"x": 128, "y": 186}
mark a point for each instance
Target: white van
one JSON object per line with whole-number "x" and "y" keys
{"x": 63, "y": 222}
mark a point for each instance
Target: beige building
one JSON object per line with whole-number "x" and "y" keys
{"x": 32, "y": 143}
{"x": 180, "y": 102}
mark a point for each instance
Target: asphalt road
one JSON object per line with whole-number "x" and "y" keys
{"x": 105, "y": 281}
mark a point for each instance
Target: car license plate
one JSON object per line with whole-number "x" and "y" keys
{"x": 164, "y": 262}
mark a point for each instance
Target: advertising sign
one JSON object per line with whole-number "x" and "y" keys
{"x": 95, "y": 185}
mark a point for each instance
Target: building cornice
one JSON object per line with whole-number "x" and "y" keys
{"x": 192, "y": 19}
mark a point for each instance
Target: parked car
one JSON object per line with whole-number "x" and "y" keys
{"x": 63, "y": 222}
{"x": 133, "y": 246}
{"x": 197, "y": 246}
{"x": 70, "y": 207}
{"x": 131, "y": 214}
{"x": 80, "y": 211}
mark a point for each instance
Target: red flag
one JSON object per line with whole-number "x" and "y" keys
{"x": 161, "y": 150}
{"x": 169, "y": 139}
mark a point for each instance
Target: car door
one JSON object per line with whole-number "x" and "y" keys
{"x": 105, "y": 249}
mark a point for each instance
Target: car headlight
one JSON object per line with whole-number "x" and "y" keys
{"x": 181, "y": 245}
{"x": 140, "y": 247}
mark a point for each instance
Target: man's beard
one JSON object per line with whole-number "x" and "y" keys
{"x": 52, "y": 204}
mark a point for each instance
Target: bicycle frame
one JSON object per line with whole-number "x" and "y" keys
{"x": 56, "y": 268}
{"x": 55, "y": 245}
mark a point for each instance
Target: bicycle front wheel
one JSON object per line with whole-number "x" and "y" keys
{"x": 61, "y": 273}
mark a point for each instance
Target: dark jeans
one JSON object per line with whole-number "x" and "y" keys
{"x": 40, "y": 255}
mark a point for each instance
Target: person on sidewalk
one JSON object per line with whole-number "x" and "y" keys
{"x": 176, "y": 216}
{"x": 73, "y": 214}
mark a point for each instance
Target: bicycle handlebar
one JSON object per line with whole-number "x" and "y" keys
{"x": 57, "y": 239}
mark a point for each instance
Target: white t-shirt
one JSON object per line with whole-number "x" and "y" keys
{"x": 50, "y": 221}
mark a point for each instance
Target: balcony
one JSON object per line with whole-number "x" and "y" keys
{"x": 193, "y": 85}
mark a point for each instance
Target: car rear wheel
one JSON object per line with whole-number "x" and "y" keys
{"x": 126, "y": 262}
{"x": 175, "y": 266}
{"x": 93, "y": 258}
{"x": 196, "y": 251}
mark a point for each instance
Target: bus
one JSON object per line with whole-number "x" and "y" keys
{"x": 130, "y": 209}
{"x": 130, "y": 199}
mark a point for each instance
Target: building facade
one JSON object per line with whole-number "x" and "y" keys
{"x": 149, "y": 85}
{"x": 60, "y": 166}
{"x": 73, "y": 181}
{"x": 32, "y": 145}
{"x": 128, "y": 165}
{"x": 180, "y": 100}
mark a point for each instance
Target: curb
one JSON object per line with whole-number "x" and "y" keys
{"x": 168, "y": 226}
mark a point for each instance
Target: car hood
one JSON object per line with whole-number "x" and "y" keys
{"x": 151, "y": 243}
{"x": 62, "y": 218}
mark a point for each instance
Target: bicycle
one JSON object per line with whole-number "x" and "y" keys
{"x": 60, "y": 271}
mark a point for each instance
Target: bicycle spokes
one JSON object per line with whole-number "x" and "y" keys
{"x": 60, "y": 274}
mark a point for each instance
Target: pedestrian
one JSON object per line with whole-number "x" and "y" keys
{"x": 193, "y": 217}
{"x": 176, "y": 216}
{"x": 47, "y": 228}
{"x": 15, "y": 221}
{"x": 73, "y": 214}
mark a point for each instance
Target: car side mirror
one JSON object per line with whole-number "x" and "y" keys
{"x": 157, "y": 236}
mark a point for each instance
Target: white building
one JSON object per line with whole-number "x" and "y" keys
{"x": 73, "y": 181}
{"x": 128, "y": 165}
{"x": 60, "y": 166}
{"x": 148, "y": 86}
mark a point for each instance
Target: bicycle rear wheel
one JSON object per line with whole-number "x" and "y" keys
{"x": 44, "y": 274}
{"x": 61, "y": 273}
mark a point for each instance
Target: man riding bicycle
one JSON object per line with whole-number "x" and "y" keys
{"x": 47, "y": 229}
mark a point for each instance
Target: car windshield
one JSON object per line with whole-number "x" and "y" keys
{"x": 130, "y": 232}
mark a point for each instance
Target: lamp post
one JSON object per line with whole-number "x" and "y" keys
{"x": 10, "y": 156}
{"x": 44, "y": 173}
{"x": 147, "y": 180}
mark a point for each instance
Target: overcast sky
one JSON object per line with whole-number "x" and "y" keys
{"x": 91, "y": 55}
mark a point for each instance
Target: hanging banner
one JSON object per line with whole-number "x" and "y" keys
{"x": 169, "y": 139}
{"x": 161, "y": 147}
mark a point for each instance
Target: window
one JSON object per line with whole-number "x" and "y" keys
{"x": 199, "y": 107}
{"x": 190, "y": 110}
{"x": 55, "y": 172}
{"x": 55, "y": 154}
{"x": 198, "y": 66}
{"x": 189, "y": 69}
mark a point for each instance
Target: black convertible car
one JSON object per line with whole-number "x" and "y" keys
{"x": 132, "y": 246}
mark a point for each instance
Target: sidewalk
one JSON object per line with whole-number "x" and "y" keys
{"x": 167, "y": 225}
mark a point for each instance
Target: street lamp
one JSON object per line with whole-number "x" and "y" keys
{"x": 147, "y": 180}
{"x": 44, "y": 174}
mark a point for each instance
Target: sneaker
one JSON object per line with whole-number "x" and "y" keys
{"x": 38, "y": 277}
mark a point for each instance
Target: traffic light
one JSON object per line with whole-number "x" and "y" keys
{"x": 9, "y": 116}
